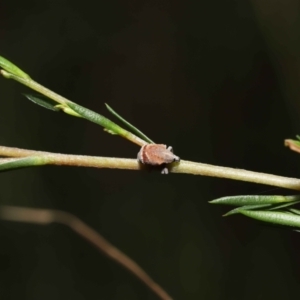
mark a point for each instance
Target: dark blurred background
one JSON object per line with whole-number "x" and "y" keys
{"x": 217, "y": 80}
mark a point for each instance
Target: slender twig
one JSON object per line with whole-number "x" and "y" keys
{"x": 11, "y": 71}
{"x": 47, "y": 216}
{"x": 74, "y": 109}
{"x": 188, "y": 167}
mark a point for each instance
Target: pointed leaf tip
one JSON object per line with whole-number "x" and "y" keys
{"x": 246, "y": 207}
{"x": 129, "y": 125}
{"x": 254, "y": 200}
{"x": 42, "y": 101}
{"x": 274, "y": 217}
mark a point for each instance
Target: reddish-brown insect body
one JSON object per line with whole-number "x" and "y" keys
{"x": 156, "y": 155}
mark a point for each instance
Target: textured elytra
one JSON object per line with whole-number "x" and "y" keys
{"x": 156, "y": 155}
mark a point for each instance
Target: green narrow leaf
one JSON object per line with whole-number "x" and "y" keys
{"x": 130, "y": 126}
{"x": 246, "y": 207}
{"x": 280, "y": 206}
{"x": 11, "y": 68}
{"x": 295, "y": 211}
{"x": 274, "y": 217}
{"x": 254, "y": 200}
{"x": 96, "y": 118}
{"x": 74, "y": 109}
{"x": 51, "y": 104}
{"x": 43, "y": 101}
{"x": 268, "y": 207}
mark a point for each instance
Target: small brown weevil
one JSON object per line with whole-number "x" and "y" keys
{"x": 157, "y": 155}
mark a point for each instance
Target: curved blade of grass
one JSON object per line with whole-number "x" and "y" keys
{"x": 262, "y": 206}
{"x": 43, "y": 101}
{"x": 11, "y": 68}
{"x": 254, "y": 200}
{"x": 295, "y": 211}
{"x": 130, "y": 126}
{"x": 280, "y": 206}
{"x": 246, "y": 207}
{"x": 106, "y": 123}
{"x": 16, "y": 163}
{"x": 50, "y": 104}
{"x": 274, "y": 217}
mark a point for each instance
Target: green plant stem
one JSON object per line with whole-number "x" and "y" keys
{"x": 74, "y": 109}
{"x": 186, "y": 167}
{"x": 109, "y": 126}
{"x": 36, "y": 87}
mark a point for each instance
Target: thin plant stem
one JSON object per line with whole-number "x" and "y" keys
{"x": 187, "y": 167}
{"x": 37, "y": 87}
{"x": 74, "y": 109}
{"x": 48, "y": 216}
